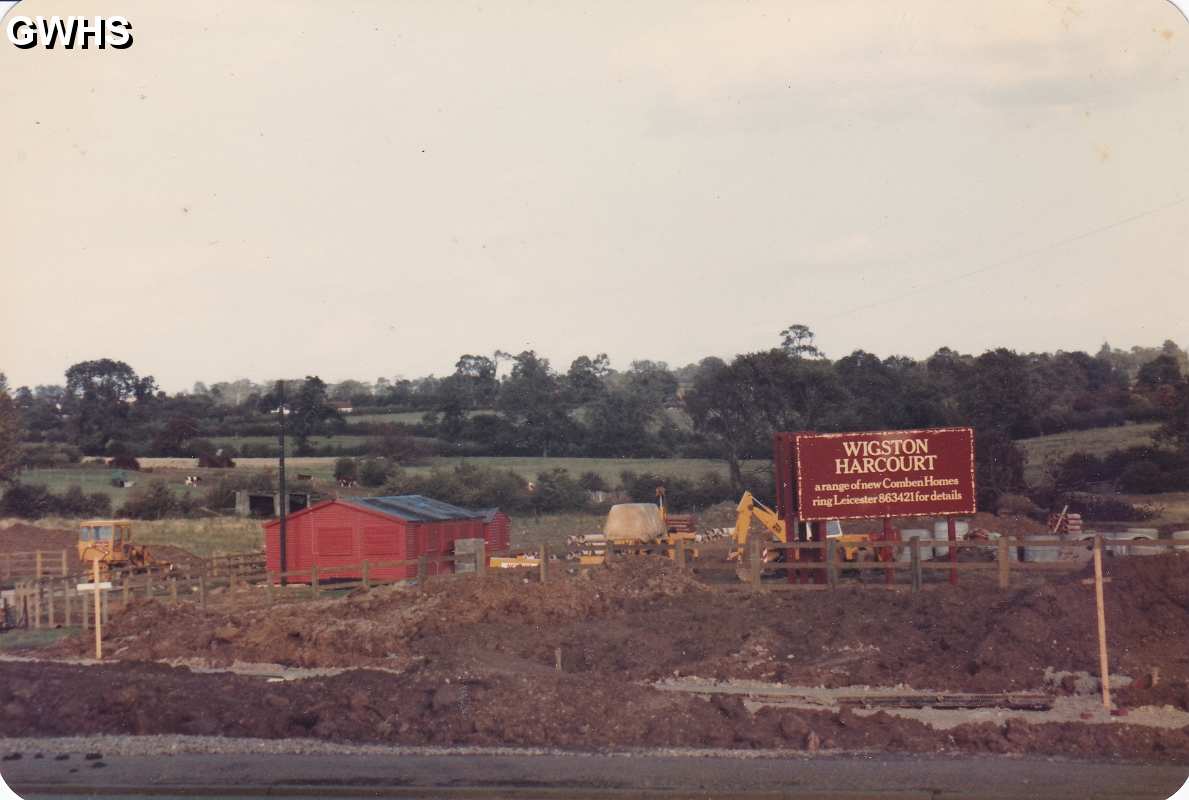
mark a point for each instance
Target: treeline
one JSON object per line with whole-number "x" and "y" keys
{"x": 522, "y": 405}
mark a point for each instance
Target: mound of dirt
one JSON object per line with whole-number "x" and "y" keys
{"x": 643, "y": 619}
{"x": 22, "y": 538}
{"x": 377, "y": 627}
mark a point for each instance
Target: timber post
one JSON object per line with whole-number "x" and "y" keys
{"x": 914, "y": 547}
{"x": 1004, "y": 563}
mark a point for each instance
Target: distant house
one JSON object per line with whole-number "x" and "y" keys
{"x": 342, "y": 406}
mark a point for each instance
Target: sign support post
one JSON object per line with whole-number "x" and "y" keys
{"x": 1103, "y": 664}
{"x": 98, "y": 612}
{"x": 952, "y": 535}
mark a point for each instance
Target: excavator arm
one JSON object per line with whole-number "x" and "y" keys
{"x": 748, "y": 509}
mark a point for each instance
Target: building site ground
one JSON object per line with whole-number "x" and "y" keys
{"x": 637, "y": 654}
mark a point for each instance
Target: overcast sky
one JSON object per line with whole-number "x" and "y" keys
{"x": 365, "y": 189}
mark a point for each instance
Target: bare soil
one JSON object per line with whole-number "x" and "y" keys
{"x": 474, "y": 661}
{"x": 23, "y": 538}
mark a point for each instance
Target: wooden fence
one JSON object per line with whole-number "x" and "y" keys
{"x": 35, "y": 564}
{"x": 55, "y": 601}
{"x": 830, "y": 559}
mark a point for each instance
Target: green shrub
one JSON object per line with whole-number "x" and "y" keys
{"x": 373, "y": 472}
{"x": 156, "y": 501}
{"x": 28, "y": 501}
{"x": 125, "y": 461}
{"x": 592, "y": 482}
{"x": 557, "y": 490}
{"x": 1142, "y": 477}
{"x": 346, "y": 469}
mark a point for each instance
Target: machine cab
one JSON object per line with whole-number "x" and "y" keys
{"x": 102, "y": 538}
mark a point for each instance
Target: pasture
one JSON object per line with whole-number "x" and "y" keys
{"x": 1043, "y": 450}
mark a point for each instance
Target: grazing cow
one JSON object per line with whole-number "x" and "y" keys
{"x": 346, "y": 484}
{"x": 193, "y": 480}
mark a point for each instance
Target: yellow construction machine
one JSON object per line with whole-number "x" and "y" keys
{"x": 750, "y": 508}
{"x": 109, "y": 541}
{"x": 631, "y": 528}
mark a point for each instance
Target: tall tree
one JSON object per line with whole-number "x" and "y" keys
{"x": 98, "y": 397}
{"x": 531, "y": 397}
{"x": 585, "y": 379}
{"x": 311, "y": 408}
{"x": 798, "y": 341}
{"x": 722, "y": 408}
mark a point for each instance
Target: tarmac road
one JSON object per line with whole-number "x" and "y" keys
{"x": 635, "y": 775}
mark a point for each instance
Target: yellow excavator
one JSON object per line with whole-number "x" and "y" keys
{"x": 750, "y": 508}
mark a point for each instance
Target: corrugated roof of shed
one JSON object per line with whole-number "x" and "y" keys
{"x": 414, "y": 508}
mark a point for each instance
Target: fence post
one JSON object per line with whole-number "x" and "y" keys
{"x": 314, "y": 580}
{"x": 363, "y": 574}
{"x": 544, "y": 565}
{"x": 173, "y": 590}
{"x": 148, "y": 585}
{"x": 65, "y": 568}
{"x": 914, "y": 547}
{"x": 481, "y": 561}
{"x": 681, "y": 554}
{"x": 422, "y": 571}
{"x": 1004, "y": 563}
{"x": 37, "y": 562}
{"x": 755, "y": 559}
{"x": 126, "y": 593}
{"x": 66, "y": 603}
{"x": 831, "y": 563}
{"x": 202, "y": 590}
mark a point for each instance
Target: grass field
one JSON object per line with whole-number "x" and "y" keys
{"x": 90, "y": 479}
{"x": 1098, "y": 441}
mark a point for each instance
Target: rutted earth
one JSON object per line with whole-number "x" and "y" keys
{"x": 474, "y": 662}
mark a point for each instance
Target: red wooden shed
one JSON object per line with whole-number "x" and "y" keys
{"x": 344, "y": 532}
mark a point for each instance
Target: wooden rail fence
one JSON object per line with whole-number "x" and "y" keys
{"x": 52, "y": 601}
{"x": 833, "y": 563}
{"x": 35, "y": 564}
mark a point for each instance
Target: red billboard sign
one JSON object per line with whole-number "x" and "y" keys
{"x": 875, "y": 474}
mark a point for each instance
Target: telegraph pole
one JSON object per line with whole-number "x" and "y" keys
{"x": 284, "y": 490}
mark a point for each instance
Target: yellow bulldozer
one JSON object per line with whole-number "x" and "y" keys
{"x": 109, "y": 541}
